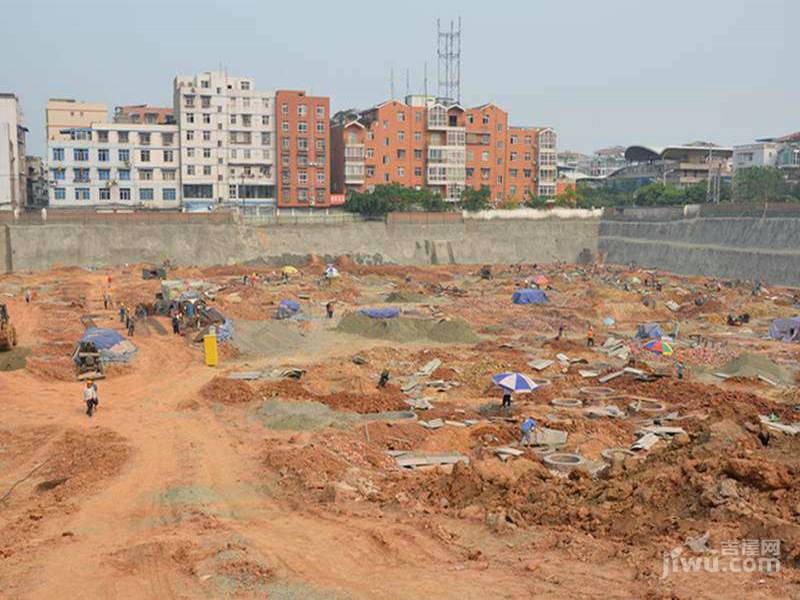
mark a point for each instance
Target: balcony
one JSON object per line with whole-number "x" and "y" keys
{"x": 448, "y": 155}
{"x": 446, "y": 174}
{"x": 354, "y": 152}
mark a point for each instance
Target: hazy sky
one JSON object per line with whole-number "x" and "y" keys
{"x": 603, "y": 72}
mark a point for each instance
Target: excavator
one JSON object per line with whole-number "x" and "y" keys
{"x": 8, "y": 335}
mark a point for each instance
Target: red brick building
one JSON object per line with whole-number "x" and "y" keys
{"x": 303, "y": 150}
{"x": 425, "y": 143}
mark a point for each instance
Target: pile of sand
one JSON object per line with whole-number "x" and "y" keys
{"x": 401, "y": 297}
{"x": 408, "y": 329}
{"x": 753, "y": 365}
{"x": 258, "y": 338}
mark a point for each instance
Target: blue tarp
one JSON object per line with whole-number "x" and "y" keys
{"x": 225, "y": 331}
{"x": 529, "y": 296}
{"x": 380, "y": 313}
{"x": 785, "y": 330}
{"x": 649, "y": 331}
{"x": 113, "y": 347}
{"x": 287, "y": 308}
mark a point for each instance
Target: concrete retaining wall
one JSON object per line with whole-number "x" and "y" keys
{"x": 38, "y": 247}
{"x": 742, "y": 248}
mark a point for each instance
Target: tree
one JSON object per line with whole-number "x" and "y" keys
{"x": 393, "y": 197}
{"x": 759, "y": 184}
{"x": 568, "y": 197}
{"x": 473, "y": 200}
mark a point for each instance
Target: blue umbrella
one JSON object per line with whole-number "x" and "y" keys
{"x": 515, "y": 382}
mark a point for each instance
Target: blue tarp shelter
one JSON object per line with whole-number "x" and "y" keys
{"x": 649, "y": 331}
{"x": 529, "y": 296}
{"x": 111, "y": 345}
{"x": 287, "y": 308}
{"x": 785, "y": 330}
{"x": 380, "y": 313}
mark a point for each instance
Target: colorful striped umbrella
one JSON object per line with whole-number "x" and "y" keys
{"x": 659, "y": 346}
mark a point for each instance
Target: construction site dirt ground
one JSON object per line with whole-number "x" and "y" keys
{"x": 287, "y": 480}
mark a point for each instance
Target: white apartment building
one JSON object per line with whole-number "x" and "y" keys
{"x": 548, "y": 163}
{"x": 115, "y": 164}
{"x": 227, "y": 140}
{"x": 760, "y": 154}
{"x": 13, "y": 171}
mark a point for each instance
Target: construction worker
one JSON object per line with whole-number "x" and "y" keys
{"x": 176, "y": 323}
{"x": 384, "y": 379}
{"x": 329, "y": 309}
{"x": 590, "y": 337}
{"x": 122, "y": 312}
{"x": 131, "y": 327}
{"x": 27, "y": 296}
{"x": 560, "y": 330}
{"x": 506, "y": 399}
{"x": 680, "y": 369}
{"x": 90, "y": 397}
{"x": 527, "y": 427}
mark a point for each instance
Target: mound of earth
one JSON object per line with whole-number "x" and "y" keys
{"x": 753, "y": 365}
{"x": 407, "y": 329}
{"x": 407, "y": 297}
{"x": 228, "y": 391}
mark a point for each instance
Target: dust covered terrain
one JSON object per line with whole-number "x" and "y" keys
{"x": 287, "y": 472}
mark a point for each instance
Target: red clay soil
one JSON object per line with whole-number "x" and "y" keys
{"x": 228, "y": 391}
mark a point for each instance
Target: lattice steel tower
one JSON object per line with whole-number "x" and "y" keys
{"x": 449, "y": 64}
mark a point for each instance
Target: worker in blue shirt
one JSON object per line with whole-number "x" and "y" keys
{"x": 527, "y": 427}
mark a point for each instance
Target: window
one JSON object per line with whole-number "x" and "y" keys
{"x": 302, "y": 127}
{"x": 302, "y": 195}
{"x": 417, "y": 136}
{"x": 168, "y": 194}
{"x": 386, "y": 177}
{"x": 205, "y": 83}
{"x": 265, "y": 138}
{"x": 245, "y": 85}
{"x": 485, "y": 173}
{"x": 302, "y": 144}
{"x": 206, "y": 136}
{"x": 385, "y": 160}
{"x": 417, "y": 171}
{"x": 320, "y": 177}
{"x": 169, "y": 156}
{"x": 265, "y": 120}
{"x": 528, "y": 140}
{"x": 386, "y": 124}
{"x": 513, "y": 156}
{"x": 512, "y": 190}
{"x": 470, "y": 172}
{"x": 370, "y": 135}
{"x": 417, "y": 154}
{"x": 206, "y": 152}
{"x": 80, "y": 154}
{"x": 233, "y": 119}
{"x": 124, "y": 174}
{"x": 401, "y": 117}
{"x": 470, "y": 119}
{"x": 320, "y": 111}
{"x": 190, "y": 170}
{"x": 80, "y": 174}
{"x": 246, "y": 153}
{"x": 319, "y": 145}
{"x": 401, "y": 154}
{"x": 144, "y": 139}
{"x": 527, "y": 173}
{"x": 168, "y": 174}
{"x": 207, "y": 118}
{"x": 469, "y": 155}
{"x": 81, "y": 193}
{"x": 247, "y": 120}
{"x": 527, "y": 156}
{"x": 385, "y": 141}
{"x": 58, "y": 154}
{"x": 145, "y": 193}
{"x": 122, "y": 137}
{"x": 146, "y": 174}
{"x": 190, "y": 117}
{"x": 102, "y": 136}
{"x": 484, "y": 156}
{"x": 285, "y": 126}
{"x": 60, "y": 193}
{"x": 144, "y": 155}
{"x": 205, "y": 101}
{"x": 320, "y": 127}
{"x": 401, "y": 136}
{"x": 285, "y": 143}
{"x": 302, "y": 177}
{"x": 124, "y": 193}
{"x": 188, "y": 101}
{"x": 189, "y": 135}
{"x": 512, "y": 172}
{"x": 302, "y": 110}
{"x": 105, "y": 194}
{"x": 58, "y": 174}
{"x": 499, "y": 179}
{"x": 499, "y": 128}
{"x": 401, "y": 171}
{"x": 190, "y": 152}
{"x": 206, "y": 169}
{"x": 232, "y": 191}
{"x": 104, "y": 174}
{"x": 284, "y": 109}
{"x": 370, "y": 171}
{"x": 486, "y": 119}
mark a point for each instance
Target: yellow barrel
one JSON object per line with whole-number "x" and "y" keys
{"x": 210, "y": 347}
